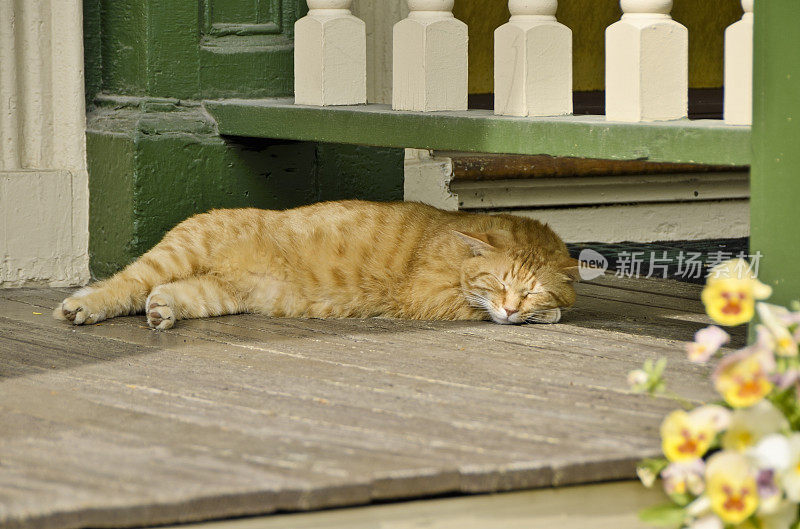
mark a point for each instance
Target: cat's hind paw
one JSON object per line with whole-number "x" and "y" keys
{"x": 160, "y": 315}
{"x": 79, "y": 309}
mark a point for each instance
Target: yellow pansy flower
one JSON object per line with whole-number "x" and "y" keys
{"x": 685, "y": 437}
{"x": 731, "y": 487}
{"x": 731, "y": 292}
{"x": 743, "y": 378}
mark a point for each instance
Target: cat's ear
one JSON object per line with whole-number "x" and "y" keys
{"x": 477, "y": 242}
{"x": 572, "y": 269}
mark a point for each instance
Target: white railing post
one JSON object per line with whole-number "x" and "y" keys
{"x": 430, "y": 58}
{"x": 533, "y": 61}
{"x": 647, "y": 64}
{"x": 330, "y": 55}
{"x": 739, "y": 69}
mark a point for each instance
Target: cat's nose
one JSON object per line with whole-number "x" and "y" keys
{"x": 510, "y": 312}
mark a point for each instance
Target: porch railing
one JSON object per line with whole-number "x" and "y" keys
{"x": 647, "y": 61}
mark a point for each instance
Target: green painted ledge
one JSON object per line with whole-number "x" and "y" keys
{"x": 703, "y": 141}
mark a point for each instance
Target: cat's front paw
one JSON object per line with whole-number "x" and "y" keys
{"x": 159, "y": 314}
{"x": 81, "y": 309}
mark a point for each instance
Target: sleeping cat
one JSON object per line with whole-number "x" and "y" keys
{"x": 341, "y": 259}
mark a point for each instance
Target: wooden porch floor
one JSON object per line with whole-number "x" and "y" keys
{"x": 114, "y": 425}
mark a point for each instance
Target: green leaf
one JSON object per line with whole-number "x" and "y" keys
{"x": 648, "y": 470}
{"x": 786, "y": 402}
{"x": 682, "y": 499}
{"x": 658, "y": 387}
{"x": 655, "y": 465}
{"x": 667, "y": 515}
{"x": 658, "y": 370}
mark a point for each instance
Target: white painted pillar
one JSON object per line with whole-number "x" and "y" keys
{"x": 427, "y": 179}
{"x": 330, "y": 55}
{"x": 647, "y": 64}
{"x": 44, "y": 193}
{"x": 739, "y": 69}
{"x": 533, "y": 61}
{"x": 430, "y": 58}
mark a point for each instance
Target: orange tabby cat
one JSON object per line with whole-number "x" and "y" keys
{"x": 341, "y": 259}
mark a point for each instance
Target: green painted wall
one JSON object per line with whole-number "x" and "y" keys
{"x": 154, "y": 157}
{"x": 153, "y": 164}
{"x": 112, "y": 221}
{"x": 775, "y": 183}
{"x": 150, "y": 169}
{"x": 355, "y": 171}
{"x": 92, "y": 49}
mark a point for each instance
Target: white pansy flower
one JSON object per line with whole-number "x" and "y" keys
{"x": 776, "y": 319}
{"x": 718, "y": 416}
{"x": 707, "y": 522}
{"x": 699, "y": 507}
{"x": 749, "y": 425}
{"x": 790, "y": 475}
{"x": 783, "y": 517}
{"x": 706, "y": 344}
{"x": 683, "y": 477}
{"x": 772, "y": 452}
{"x": 637, "y": 378}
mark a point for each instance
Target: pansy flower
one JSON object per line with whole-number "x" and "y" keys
{"x": 777, "y": 321}
{"x": 686, "y": 437}
{"x": 706, "y": 343}
{"x": 731, "y": 486}
{"x": 731, "y": 292}
{"x": 743, "y": 378}
{"x": 789, "y": 473}
{"x": 778, "y": 457}
{"x": 749, "y": 425}
{"x": 684, "y": 477}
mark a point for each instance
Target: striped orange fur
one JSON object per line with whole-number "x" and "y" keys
{"x": 341, "y": 259}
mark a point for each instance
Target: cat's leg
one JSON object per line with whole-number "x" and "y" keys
{"x": 196, "y": 297}
{"x": 125, "y": 293}
{"x": 120, "y": 295}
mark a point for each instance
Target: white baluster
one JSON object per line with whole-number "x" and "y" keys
{"x": 330, "y": 55}
{"x": 430, "y": 58}
{"x": 647, "y": 64}
{"x": 739, "y": 69}
{"x": 533, "y": 61}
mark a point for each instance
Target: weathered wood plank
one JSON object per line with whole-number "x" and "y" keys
{"x": 559, "y": 396}
{"x": 647, "y": 299}
{"x": 606, "y": 506}
{"x": 695, "y": 142}
{"x": 561, "y": 382}
{"x": 482, "y": 167}
{"x": 115, "y": 425}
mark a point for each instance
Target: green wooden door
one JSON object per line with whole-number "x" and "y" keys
{"x": 196, "y": 49}
{"x": 246, "y": 47}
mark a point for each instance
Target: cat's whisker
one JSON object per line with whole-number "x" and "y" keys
{"x": 480, "y": 302}
{"x": 545, "y": 316}
{"x": 537, "y": 320}
{"x": 477, "y": 301}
